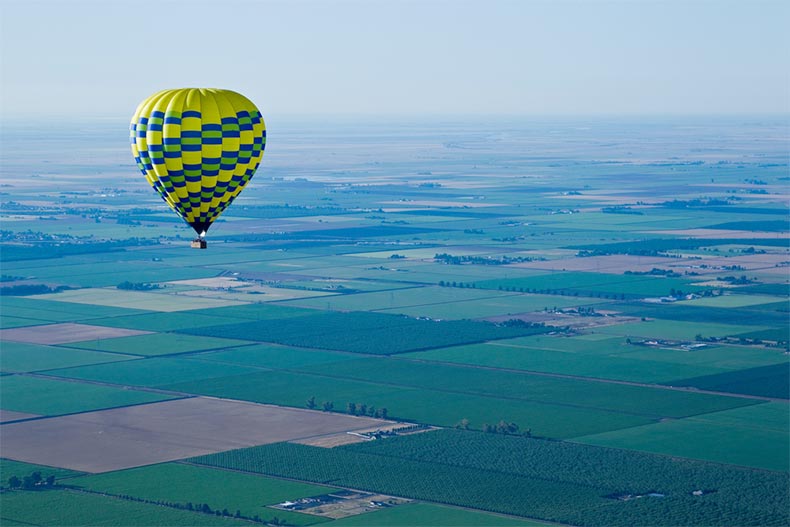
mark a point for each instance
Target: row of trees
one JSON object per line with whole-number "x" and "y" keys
{"x": 137, "y": 286}
{"x": 204, "y": 508}
{"x": 451, "y": 259}
{"x": 351, "y": 408}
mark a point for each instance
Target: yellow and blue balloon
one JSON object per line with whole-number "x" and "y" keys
{"x": 198, "y": 148}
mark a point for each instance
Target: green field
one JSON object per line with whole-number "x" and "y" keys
{"x": 593, "y": 284}
{"x": 712, "y": 356}
{"x": 579, "y": 393}
{"x": 429, "y": 515}
{"x": 152, "y": 371}
{"x": 756, "y": 436}
{"x": 567, "y": 363}
{"x": 35, "y": 395}
{"x": 23, "y": 357}
{"x": 764, "y": 381}
{"x": 675, "y": 329}
{"x": 163, "y": 321}
{"x": 442, "y": 302}
{"x": 275, "y": 357}
{"x": 506, "y": 304}
{"x": 420, "y": 405}
{"x": 36, "y": 308}
{"x": 158, "y": 344}
{"x": 234, "y": 491}
{"x": 244, "y": 312}
{"x": 64, "y": 508}
{"x": 730, "y": 301}
{"x": 363, "y": 332}
{"x": 7, "y": 322}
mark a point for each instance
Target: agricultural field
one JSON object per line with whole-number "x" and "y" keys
{"x": 144, "y": 434}
{"x": 247, "y": 493}
{"x": 567, "y": 483}
{"x": 22, "y": 357}
{"x": 112, "y": 297}
{"x": 765, "y": 381}
{"x": 600, "y": 328}
{"x": 66, "y": 508}
{"x": 755, "y": 436}
{"x": 152, "y": 371}
{"x": 363, "y": 332}
{"x": 429, "y": 514}
{"x": 155, "y": 344}
{"x": 621, "y": 367}
{"x": 51, "y": 396}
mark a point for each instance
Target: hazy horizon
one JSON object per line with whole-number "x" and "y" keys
{"x": 430, "y": 58}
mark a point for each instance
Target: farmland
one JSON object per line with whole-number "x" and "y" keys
{"x": 497, "y": 469}
{"x": 47, "y": 396}
{"x": 362, "y": 332}
{"x": 58, "y": 508}
{"x": 756, "y": 436}
{"x": 599, "y": 325}
{"x": 246, "y": 493}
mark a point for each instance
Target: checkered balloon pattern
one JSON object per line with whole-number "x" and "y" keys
{"x": 198, "y": 148}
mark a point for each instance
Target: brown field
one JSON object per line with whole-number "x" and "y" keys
{"x": 139, "y": 435}
{"x": 65, "y": 333}
{"x": 8, "y": 415}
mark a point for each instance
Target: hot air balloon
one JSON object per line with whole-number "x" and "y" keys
{"x": 198, "y": 148}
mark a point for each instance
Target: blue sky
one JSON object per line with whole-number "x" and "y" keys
{"x": 400, "y": 57}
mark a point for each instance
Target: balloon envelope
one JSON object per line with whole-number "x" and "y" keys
{"x": 198, "y": 148}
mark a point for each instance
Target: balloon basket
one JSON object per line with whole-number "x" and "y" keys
{"x": 198, "y": 243}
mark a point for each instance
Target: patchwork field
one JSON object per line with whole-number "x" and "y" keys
{"x": 549, "y": 303}
{"x": 569, "y": 483}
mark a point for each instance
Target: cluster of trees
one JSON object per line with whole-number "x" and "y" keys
{"x": 502, "y": 427}
{"x": 741, "y": 280}
{"x": 518, "y": 323}
{"x": 31, "y": 482}
{"x": 364, "y": 409}
{"x": 621, "y": 209}
{"x": 655, "y": 271}
{"x": 31, "y": 289}
{"x": 698, "y": 202}
{"x": 137, "y": 286}
{"x": 480, "y": 260}
{"x": 351, "y": 408}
